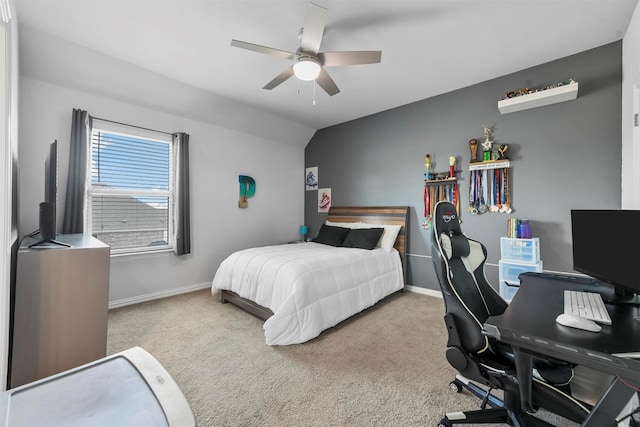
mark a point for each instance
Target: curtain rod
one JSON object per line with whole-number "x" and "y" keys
{"x": 133, "y": 126}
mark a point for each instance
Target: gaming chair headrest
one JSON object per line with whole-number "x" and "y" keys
{"x": 446, "y": 219}
{"x": 447, "y": 229}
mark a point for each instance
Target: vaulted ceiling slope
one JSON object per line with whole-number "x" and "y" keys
{"x": 429, "y": 47}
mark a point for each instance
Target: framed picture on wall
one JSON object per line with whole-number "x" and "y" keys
{"x": 311, "y": 178}
{"x": 324, "y": 199}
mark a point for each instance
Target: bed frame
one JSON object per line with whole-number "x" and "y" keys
{"x": 394, "y": 215}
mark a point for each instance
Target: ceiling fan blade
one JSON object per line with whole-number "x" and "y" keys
{"x": 313, "y": 28}
{"x": 264, "y": 49}
{"x": 333, "y": 59}
{"x": 284, "y": 75}
{"x": 326, "y": 82}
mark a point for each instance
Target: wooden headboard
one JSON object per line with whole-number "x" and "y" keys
{"x": 396, "y": 215}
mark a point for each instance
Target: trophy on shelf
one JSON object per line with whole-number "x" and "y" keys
{"x": 502, "y": 152}
{"x": 473, "y": 146}
{"x": 486, "y": 145}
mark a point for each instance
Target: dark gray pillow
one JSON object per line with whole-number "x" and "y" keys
{"x": 330, "y": 235}
{"x": 363, "y": 238}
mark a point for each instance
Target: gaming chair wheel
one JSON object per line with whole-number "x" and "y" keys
{"x": 455, "y": 386}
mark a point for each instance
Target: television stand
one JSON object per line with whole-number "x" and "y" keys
{"x": 53, "y": 242}
{"x": 60, "y": 307}
{"x": 43, "y": 241}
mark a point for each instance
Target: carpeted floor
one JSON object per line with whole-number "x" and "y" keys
{"x": 384, "y": 367}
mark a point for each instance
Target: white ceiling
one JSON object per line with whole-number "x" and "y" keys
{"x": 429, "y": 47}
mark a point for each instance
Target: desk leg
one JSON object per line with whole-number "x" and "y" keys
{"x": 524, "y": 371}
{"x": 611, "y": 403}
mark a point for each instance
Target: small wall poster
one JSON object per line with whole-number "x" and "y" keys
{"x": 324, "y": 199}
{"x": 311, "y": 178}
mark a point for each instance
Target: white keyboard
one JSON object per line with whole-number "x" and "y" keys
{"x": 588, "y": 305}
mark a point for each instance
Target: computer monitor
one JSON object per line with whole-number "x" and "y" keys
{"x": 606, "y": 246}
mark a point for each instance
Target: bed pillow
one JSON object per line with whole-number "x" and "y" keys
{"x": 363, "y": 238}
{"x": 330, "y": 235}
{"x": 388, "y": 236}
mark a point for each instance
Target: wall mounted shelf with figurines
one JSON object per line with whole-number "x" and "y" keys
{"x": 525, "y": 98}
{"x": 489, "y": 178}
{"x": 439, "y": 186}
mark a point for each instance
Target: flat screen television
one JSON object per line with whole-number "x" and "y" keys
{"x": 47, "y": 218}
{"x": 606, "y": 246}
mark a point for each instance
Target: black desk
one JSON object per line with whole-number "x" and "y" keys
{"x": 529, "y": 326}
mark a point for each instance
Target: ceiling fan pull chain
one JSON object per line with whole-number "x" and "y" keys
{"x": 314, "y": 93}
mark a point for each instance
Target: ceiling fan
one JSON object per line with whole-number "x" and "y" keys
{"x": 308, "y": 63}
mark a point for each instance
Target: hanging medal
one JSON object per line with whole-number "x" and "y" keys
{"x": 484, "y": 195}
{"x": 426, "y": 223}
{"x": 494, "y": 191}
{"x": 507, "y": 181}
{"x": 472, "y": 177}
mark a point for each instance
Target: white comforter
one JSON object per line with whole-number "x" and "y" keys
{"x": 309, "y": 286}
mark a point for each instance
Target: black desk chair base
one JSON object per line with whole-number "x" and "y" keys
{"x": 498, "y": 414}
{"x": 487, "y": 398}
{"x": 492, "y": 416}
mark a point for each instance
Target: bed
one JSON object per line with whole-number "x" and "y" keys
{"x": 303, "y": 289}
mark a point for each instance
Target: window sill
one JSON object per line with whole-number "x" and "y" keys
{"x": 142, "y": 253}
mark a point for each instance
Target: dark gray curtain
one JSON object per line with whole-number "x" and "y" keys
{"x": 76, "y": 196}
{"x": 182, "y": 211}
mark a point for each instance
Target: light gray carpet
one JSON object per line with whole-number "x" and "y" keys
{"x": 384, "y": 367}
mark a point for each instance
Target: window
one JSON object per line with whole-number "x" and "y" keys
{"x": 131, "y": 192}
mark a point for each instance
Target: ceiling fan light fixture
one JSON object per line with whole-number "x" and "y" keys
{"x": 306, "y": 68}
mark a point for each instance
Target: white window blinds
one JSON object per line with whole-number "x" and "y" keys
{"x": 131, "y": 190}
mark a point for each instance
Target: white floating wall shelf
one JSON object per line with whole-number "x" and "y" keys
{"x": 538, "y": 99}
{"x": 489, "y": 164}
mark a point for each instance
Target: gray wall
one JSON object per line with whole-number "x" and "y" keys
{"x": 563, "y": 156}
{"x": 217, "y": 156}
{"x": 223, "y": 145}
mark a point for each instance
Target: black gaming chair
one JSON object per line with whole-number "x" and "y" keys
{"x": 469, "y": 301}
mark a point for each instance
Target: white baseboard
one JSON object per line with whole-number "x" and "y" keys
{"x": 157, "y": 295}
{"x": 424, "y": 291}
{"x": 198, "y": 286}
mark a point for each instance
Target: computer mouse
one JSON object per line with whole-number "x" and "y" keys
{"x": 578, "y": 322}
